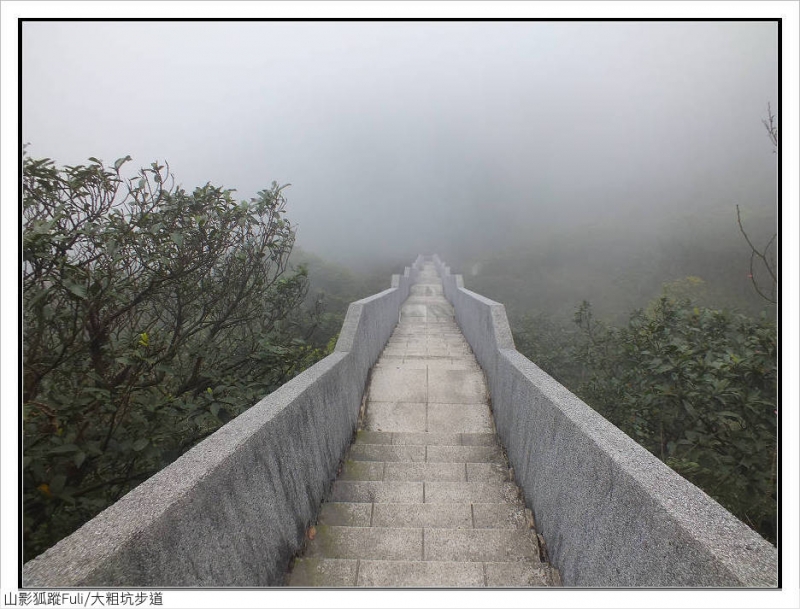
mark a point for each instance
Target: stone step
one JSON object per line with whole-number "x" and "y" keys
{"x": 389, "y": 574}
{"x": 427, "y": 341}
{"x": 384, "y": 452}
{"x": 424, "y": 472}
{"x": 430, "y": 544}
{"x": 434, "y": 351}
{"x": 420, "y": 472}
{"x": 424, "y": 497}
{"x": 348, "y": 491}
{"x": 471, "y": 492}
{"x": 499, "y": 516}
{"x": 480, "y": 545}
{"x": 338, "y": 572}
{"x": 422, "y": 344}
{"x": 520, "y": 575}
{"x": 424, "y": 438}
{"x": 430, "y": 417}
{"x": 425, "y": 362}
{"x": 322, "y": 573}
{"x": 396, "y": 491}
{"x": 366, "y": 543}
{"x": 455, "y": 516}
{"x": 421, "y": 289}
{"x": 420, "y": 515}
{"x": 409, "y": 326}
{"x": 488, "y": 472}
{"x": 346, "y": 514}
{"x": 425, "y": 453}
{"x": 361, "y": 470}
{"x": 416, "y": 313}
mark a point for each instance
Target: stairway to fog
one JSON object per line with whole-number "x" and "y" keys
{"x": 424, "y": 497}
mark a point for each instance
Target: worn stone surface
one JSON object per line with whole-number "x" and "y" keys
{"x": 484, "y": 545}
{"x": 376, "y": 543}
{"x": 426, "y": 472}
{"x": 348, "y": 514}
{"x": 324, "y": 572}
{"x": 470, "y": 418}
{"x": 456, "y": 386}
{"x": 427, "y": 439}
{"x": 487, "y": 472}
{"x": 449, "y": 472}
{"x": 496, "y": 491}
{"x": 362, "y": 470}
{"x": 479, "y": 439}
{"x": 517, "y": 574}
{"x": 421, "y": 515}
{"x": 377, "y": 492}
{"x": 498, "y": 516}
{"x": 465, "y": 454}
{"x": 420, "y": 574}
{"x": 382, "y": 452}
{"x": 398, "y": 384}
{"x": 396, "y": 416}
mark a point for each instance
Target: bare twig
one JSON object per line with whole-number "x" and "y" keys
{"x": 772, "y": 128}
{"x": 761, "y": 255}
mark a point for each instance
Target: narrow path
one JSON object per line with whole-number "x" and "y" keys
{"x": 425, "y": 496}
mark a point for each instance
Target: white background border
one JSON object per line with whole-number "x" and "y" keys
{"x": 9, "y": 239}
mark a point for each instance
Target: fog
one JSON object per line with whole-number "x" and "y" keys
{"x": 400, "y": 138}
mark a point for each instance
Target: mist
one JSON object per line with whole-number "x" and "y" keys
{"x": 467, "y": 139}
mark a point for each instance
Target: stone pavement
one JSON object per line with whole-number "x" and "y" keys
{"x": 425, "y": 497}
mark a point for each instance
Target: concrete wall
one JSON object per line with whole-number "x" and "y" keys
{"x": 233, "y": 510}
{"x": 611, "y": 513}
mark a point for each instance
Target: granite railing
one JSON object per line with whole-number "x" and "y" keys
{"x": 610, "y": 512}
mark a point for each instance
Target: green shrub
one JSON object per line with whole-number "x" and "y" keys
{"x": 151, "y": 316}
{"x": 695, "y": 386}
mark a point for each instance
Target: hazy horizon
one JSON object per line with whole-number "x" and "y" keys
{"x": 401, "y": 138}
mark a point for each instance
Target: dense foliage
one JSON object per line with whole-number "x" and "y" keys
{"x": 695, "y": 386}
{"x": 151, "y": 316}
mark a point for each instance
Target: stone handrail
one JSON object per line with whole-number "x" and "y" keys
{"x": 233, "y": 510}
{"x": 611, "y": 513}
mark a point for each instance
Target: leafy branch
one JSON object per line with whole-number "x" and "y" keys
{"x": 151, "y": 316}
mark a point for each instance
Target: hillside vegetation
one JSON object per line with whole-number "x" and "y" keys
{"x": 152, "y": 315}
{"x": 670, "y": 338}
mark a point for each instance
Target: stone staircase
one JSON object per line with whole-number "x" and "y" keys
{"x": 424, "y": 497}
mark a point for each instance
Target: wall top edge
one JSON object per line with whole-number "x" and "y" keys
{"x": 148, "y": 502}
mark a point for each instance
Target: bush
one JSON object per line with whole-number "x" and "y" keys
{"x": 151, "y": 316}
{"x": 695, "y": 386}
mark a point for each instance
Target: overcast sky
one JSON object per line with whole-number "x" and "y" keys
{"x": 406, "y": 137}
